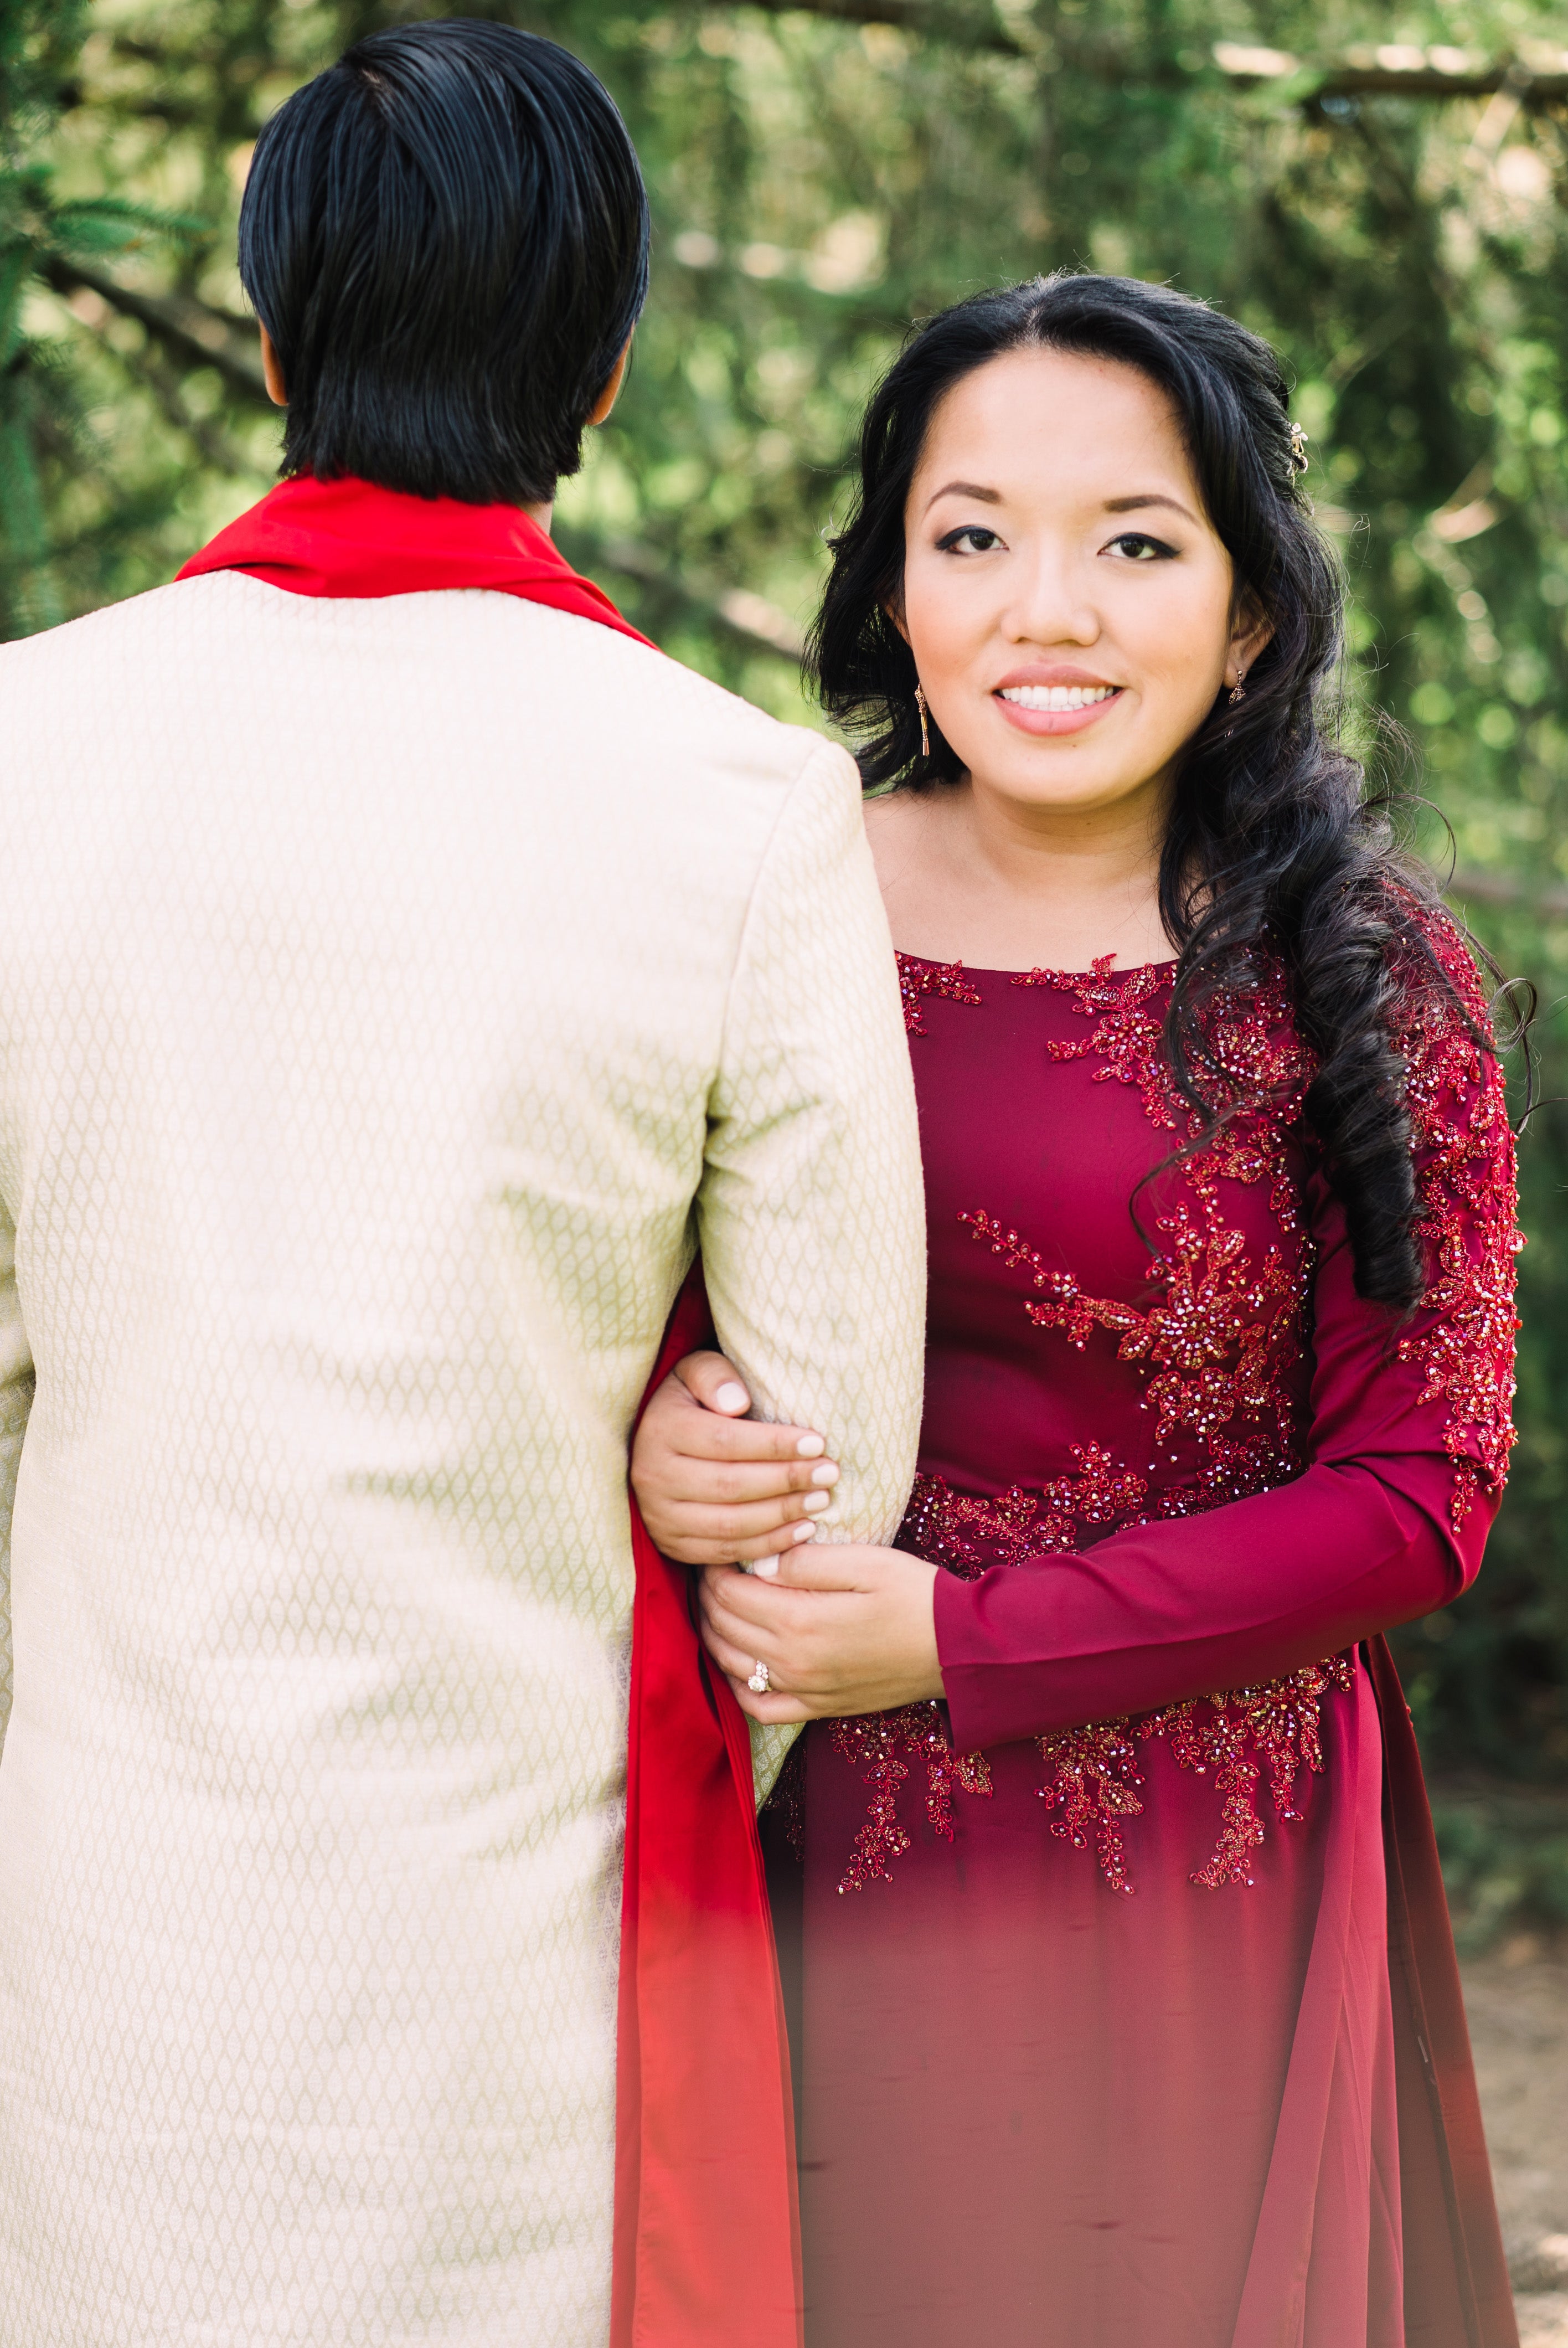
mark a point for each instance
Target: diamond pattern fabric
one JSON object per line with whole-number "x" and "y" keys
{"x": 391, "y": 994}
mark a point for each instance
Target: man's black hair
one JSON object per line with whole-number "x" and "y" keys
{"x": 446, "y": 235}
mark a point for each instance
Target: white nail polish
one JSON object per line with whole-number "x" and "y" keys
{"x": 814, "y": 1502}
{"x": 804, "y": 1532}
{"x": 826, "y": 1473}
{"x": 810, "y": 1447}
{"x": 731, "y": 1396}
{"x": 767, "y": 1567}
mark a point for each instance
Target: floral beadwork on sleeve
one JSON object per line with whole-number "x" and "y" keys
{"x": 1465, "y": 1176}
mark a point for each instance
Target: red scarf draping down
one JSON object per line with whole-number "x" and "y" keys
{"x": 707, "y": 2247}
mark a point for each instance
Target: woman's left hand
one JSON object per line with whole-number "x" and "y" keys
{"x": 842, "y": 1629}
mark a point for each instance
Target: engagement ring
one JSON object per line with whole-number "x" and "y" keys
{"x": 759, "y": 1682}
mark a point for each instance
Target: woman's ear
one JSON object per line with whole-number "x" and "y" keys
{"x": 612, "y": 392}
{"x": 1250, "y": 632}
{"x": 271, "y": 368}
{"x": 895, "y": 611}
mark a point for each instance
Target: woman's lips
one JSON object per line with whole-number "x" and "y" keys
{"x": 1055, "y": 721}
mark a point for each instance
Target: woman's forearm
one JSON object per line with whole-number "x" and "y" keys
{"x": 1242, "y": 1594}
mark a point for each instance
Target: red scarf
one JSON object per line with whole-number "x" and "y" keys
{"x": 707, "y": 2248}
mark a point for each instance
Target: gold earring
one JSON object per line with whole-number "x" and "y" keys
{"x": 1239, "y": 691}
{"x": 925, "y": 729}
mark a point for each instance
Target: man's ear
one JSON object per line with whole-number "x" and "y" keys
{"x": 612, "y": 392}
{"x": 271, "y": 367}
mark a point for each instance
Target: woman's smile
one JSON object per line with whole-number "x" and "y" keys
{"x": 1066, "y": 702}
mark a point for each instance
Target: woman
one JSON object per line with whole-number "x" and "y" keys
{"x": 1078, "y": 1868}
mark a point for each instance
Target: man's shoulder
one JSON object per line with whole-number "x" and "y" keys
{"x": 665, "y": 702}
{"x": 591, "y": 693}
{"x": 92, "y": 637}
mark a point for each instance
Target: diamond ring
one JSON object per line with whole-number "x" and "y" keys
{"x": 759, "y": 1682}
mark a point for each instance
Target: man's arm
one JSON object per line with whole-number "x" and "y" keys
{"x": 812, "y": 1210}
{"x": 16, "y": 1401}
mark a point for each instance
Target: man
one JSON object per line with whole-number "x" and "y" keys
{"x": 404, "y": 967}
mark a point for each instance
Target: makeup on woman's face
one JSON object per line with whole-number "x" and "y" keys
{"x": 1066, "y": 598}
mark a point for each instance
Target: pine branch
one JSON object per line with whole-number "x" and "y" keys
{"x": 1393, "y": 70}
{"x": 190, "y": 330}
{"x": 1507, "y": 889}
{"x": 735, "y": 611}
{"x": 221, "y": 451}
{"x": 905, "y": 16}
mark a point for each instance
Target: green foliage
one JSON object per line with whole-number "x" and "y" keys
{"x": 44, "y": 424}
{"x": 1505, "y": 1862}
{"x": 821, "y": 176}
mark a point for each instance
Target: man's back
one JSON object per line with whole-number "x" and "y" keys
{"x": 373, "y": 976}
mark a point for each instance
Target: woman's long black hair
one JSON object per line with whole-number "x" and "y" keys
{"x": 1273, "y": 850}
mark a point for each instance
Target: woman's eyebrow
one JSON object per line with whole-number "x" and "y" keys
{"x": 964, "y": 489}
{"x": 1133, "y": 505}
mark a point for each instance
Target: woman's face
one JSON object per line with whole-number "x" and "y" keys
{"x": 1065, "y": 596}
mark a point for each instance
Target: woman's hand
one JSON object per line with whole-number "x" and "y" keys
{"x": 714, "y": 1485}
{"x": 842, "y": 1629}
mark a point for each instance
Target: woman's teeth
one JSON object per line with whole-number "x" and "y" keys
{"x": 1057, "y": 697}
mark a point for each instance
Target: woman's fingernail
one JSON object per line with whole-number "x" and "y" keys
{"x": 826, "y": 1473}
{"x": 813, "y": 1501}
{"x": 804, "y": 1532}
{"x": 731, "y": 1396}
{"x": 810, "y": 1447}
{"x": 767, "y": 1567}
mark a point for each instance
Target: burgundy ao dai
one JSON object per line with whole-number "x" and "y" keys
{"x": 1094, "y": 2024}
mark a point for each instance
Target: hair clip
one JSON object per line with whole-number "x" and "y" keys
{"x": 1299, "y": 463}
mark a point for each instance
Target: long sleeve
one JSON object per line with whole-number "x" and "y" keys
{"x": 810, "y": 1211}
{"x": 16, "y": 1401}
{"x": 1409, "y": 1441}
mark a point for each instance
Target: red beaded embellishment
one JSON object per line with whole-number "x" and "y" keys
{"x": 1277, "y": 1727}
{"x": 1221, "y": 1350}
{"x": 1095, "y": 1779}
{"x": 918, "y": 979}
{"x": 1465, "y": 1171}
{"x": 943, "y": 1525}
{"x": 878, "y": 1744}
{"x": 1126, "y": 1037}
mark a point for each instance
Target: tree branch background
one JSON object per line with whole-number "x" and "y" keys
{"x": 1378, "y": 189}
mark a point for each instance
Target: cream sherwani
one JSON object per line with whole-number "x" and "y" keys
{"x": 390, "y": 995}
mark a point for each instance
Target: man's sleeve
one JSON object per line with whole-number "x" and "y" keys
{"x": 16, "y": 1401}
{"x": 812, "y": 1208}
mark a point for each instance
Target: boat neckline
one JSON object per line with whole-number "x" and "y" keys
{"x": 1042, "y": 970}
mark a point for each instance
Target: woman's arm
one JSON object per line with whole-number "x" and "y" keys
{"x": 844, "y": 1627}
{"x": 1408, "y": 1442}
{"x": 1410, "y": 1437}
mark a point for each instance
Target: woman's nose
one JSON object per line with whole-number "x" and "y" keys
{"x": 1051, "y": 606}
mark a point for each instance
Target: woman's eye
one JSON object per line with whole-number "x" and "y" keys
{"x": 1134, "y": 546}
{"x": 972, "y": 540}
